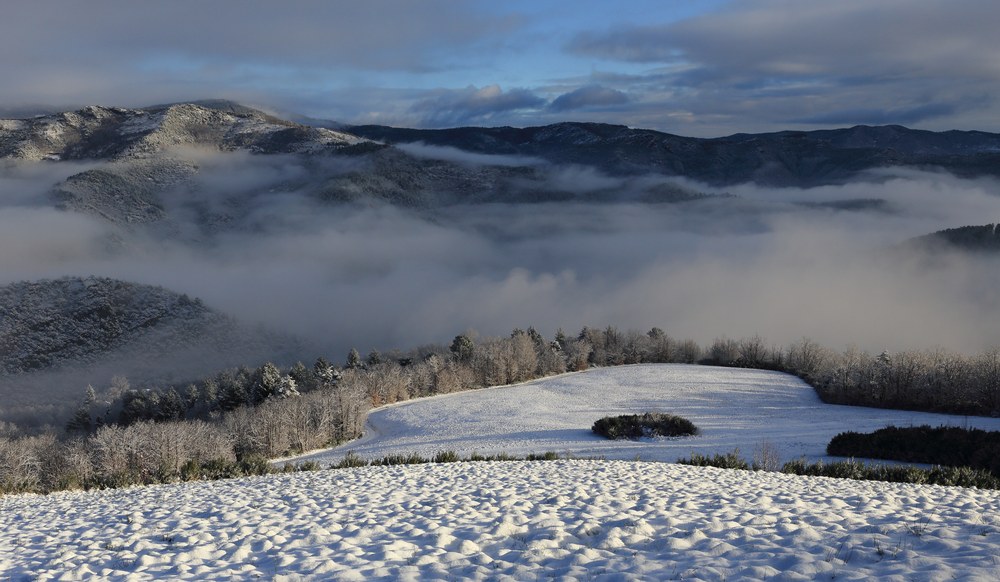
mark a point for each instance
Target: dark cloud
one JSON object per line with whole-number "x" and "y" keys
{"x": 783, "y": 61}
{"x": 588, "y": 96}
{"x": 127, "y": 53}
{"x": 881, "y": 116}
{"x": 448, "y": 108}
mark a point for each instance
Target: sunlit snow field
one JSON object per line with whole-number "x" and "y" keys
{"x": 734, "y": 408}
{"x": 567, "y": 519}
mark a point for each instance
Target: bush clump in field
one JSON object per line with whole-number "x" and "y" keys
{"x": 859, "y": 471}
{"x": 730, "y": 460}
{"x": 950, "y": 476}
{"x": 650, "y": 424}
{"x": 950, "y": 446}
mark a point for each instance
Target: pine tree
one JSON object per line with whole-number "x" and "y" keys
{"x": 353, "y": 360}
{"x": 462, "y": 348}
{"x": 266, "y": 382}
{"x": 286, "y": 388}
{"x": 81, "y": 421}
{"x": 324, "y": 371}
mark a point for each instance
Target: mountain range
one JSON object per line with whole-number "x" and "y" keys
{"x": 137, "y": 158}
{"x": 190, "y": 173}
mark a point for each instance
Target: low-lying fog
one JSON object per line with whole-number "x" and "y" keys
{"x": 384, "y": 277}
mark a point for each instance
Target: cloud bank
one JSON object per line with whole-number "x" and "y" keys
{"x": 384, "y": 277}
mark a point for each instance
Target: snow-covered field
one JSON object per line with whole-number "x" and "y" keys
{"x": 734, "y": 408}
{"x": 567, "y": 519}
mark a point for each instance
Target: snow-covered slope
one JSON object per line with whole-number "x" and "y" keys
{"x": 565, "y": 520}
{"x": 734, "y": 408}
{"x": 116, "y": 133}
{"x": 56, "y": 336}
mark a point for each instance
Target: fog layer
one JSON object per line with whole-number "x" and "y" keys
{"x": 383, "y": 277}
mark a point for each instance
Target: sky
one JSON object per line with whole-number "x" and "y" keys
{"x": 690, "y": 67}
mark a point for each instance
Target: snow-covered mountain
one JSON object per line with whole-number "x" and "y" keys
{"x": 56, "y": 336}
{"x": 114, "y": 133}
{"x": 140, "y": 158}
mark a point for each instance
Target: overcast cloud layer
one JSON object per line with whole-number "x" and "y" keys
{"x": 381, "y": 277}
{"x": 703, "y": 68}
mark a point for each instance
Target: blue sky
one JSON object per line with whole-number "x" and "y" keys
{"x": 695, "y": 67}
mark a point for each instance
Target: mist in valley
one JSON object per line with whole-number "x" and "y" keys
{"x": 249, "y": 237}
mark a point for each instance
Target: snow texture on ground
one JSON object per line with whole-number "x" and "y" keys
{"x": 565, "y": 520}
{"x": 568, "y": 519}
{"x": 734, "y": 408}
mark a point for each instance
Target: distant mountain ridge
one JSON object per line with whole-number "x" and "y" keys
{"x": 141, "y": 157}
{"x": 787, "y": 158}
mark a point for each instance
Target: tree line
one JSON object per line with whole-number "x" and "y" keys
{"x": 232, "y": 422}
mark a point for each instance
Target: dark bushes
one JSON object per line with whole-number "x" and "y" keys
{"x": 650, "y": 424}
{"x": 852, "y": 469}
{"x": 945, "y": 445}
{"x": 955, "y": 476}
{"x": 730, "y": 460}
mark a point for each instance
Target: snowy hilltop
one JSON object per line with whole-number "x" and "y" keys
{"x": 116, "y": 133}
{"x": 735, "y": 408}
{"x": 56, "y": 336}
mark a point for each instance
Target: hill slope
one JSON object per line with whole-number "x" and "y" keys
{"x": 56, "y": 336}
{"x": 734, "y": 408}
{"x": 971, "y": 239}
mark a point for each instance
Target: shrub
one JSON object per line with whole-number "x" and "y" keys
{"x": 446, "y": 457}
{"x": 954, "y": 476}
{"x": 650, "y": 424}
{"x": 730, "y": 460}
{"x": 350, "y": 460}
{"x": 255, "y": 465}
{"x": 945, "y": 445}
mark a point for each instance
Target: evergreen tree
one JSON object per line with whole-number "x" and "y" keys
{"x": 462, "y": 348}
{"x": 286, "y": 388}
{"x": 560, "y": 338}
{"x": 80, "y": 421}
{"x": 324, "y": 371}
{"x": 233, "y": 389}
{"x": 353, "y": 360}
{"x": 190, "y": 396}
{"x": 170, "y": 406}
{"x": 536, "y": 337}
{"x": 303, "y": 376}
{"x": 210, "y": 393}
{"x": 266, "y": 382}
